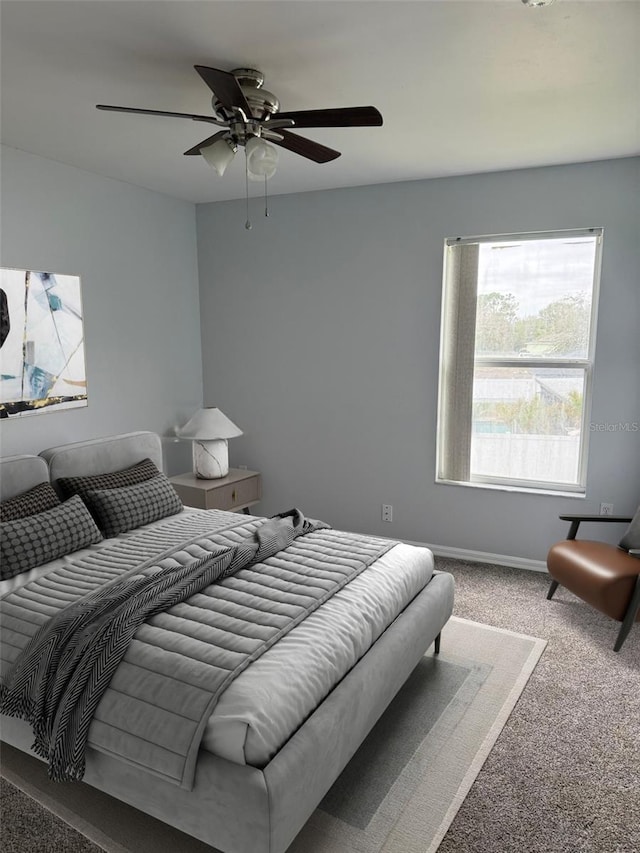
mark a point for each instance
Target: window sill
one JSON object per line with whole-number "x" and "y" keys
{"x": 503, "y": 487}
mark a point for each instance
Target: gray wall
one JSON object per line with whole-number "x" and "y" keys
{"x": 320, "y": 337}
{"x": 135, "y": 252}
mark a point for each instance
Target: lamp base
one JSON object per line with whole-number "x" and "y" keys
{"x": 211, "y": 458}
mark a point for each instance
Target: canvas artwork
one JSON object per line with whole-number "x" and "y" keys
{"x": 42, "y": 362}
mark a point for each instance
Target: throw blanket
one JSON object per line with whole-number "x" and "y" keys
{"x": 59, "y": 679}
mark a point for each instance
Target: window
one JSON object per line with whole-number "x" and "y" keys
{"x": 516, "y": 358}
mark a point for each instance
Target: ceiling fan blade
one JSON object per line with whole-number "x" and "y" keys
{"x": 305, "y": 147}
{"x": 158, "y": 113}
{"x": 225, "y": 87}
{"x": 205, "y": 142}
{"x": 341, "y": 117}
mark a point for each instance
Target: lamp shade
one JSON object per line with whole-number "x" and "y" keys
{"x": 219, "y": 155}
{"x": 262, "y": 159}
{"x": 207, "y": 424}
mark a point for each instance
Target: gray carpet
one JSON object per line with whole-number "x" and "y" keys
{"x": 563, "y": 776}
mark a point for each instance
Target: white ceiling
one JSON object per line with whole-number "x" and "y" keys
{"x": 463, "y": 87}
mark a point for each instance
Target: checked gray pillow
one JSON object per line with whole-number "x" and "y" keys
{"x": 119, "y": 510}
{"x": 36, "y": 539}
{"x": 38, "y": 499}
{"x": 631, "y": 539}
{"x": 137, "y": 473}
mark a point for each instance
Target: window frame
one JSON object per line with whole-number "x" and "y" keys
{"x": 586, "y": 364}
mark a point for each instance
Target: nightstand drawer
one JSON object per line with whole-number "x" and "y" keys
{"x": 233, "y": 495}
{"x": 238, "y": 490}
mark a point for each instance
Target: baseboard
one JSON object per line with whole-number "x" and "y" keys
{"x": 484, "y": 557}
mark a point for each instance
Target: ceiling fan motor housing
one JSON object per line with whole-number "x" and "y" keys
{"x": 262, "y": 103}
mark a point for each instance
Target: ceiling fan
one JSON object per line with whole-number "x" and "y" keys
{"x": 251, "y": 118}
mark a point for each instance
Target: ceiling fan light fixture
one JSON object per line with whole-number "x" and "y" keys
{"x": 219, "y": 155}
{"x": 262, "y": 159}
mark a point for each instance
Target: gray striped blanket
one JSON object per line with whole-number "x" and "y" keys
{"x": 61, "y": 676}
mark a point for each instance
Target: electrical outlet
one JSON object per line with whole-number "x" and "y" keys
{"x": 242, "y": 467}
{"x": 606, "y": 509}
{"x": 387, "y": 512}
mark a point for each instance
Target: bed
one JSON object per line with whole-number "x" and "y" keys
{"x": 342, "y": 621}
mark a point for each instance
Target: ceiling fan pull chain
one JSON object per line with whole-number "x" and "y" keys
{"x": 266, "y": 203}
{"x": 247, "y": 224}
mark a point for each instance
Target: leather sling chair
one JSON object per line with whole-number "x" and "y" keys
{"x": 605, "y": 576}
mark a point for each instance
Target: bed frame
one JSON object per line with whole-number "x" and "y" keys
{"x": 238, "y": 808}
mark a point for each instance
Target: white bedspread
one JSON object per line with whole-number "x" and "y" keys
{"x": 268, "y": 702}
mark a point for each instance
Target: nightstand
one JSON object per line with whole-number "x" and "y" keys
{"x": 239, "y": 490}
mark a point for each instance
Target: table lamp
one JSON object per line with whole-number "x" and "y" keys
{"x": 209, "y": 430}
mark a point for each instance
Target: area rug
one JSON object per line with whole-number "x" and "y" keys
{"x": 399, "y": 793}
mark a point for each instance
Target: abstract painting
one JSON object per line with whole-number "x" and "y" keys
{"x": 42, "y": 362}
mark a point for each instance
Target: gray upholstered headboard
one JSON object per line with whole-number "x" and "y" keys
{"x": 96, "y": 456}
{"x": 103, "y": 455}
{"x": 19, "y": 473}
